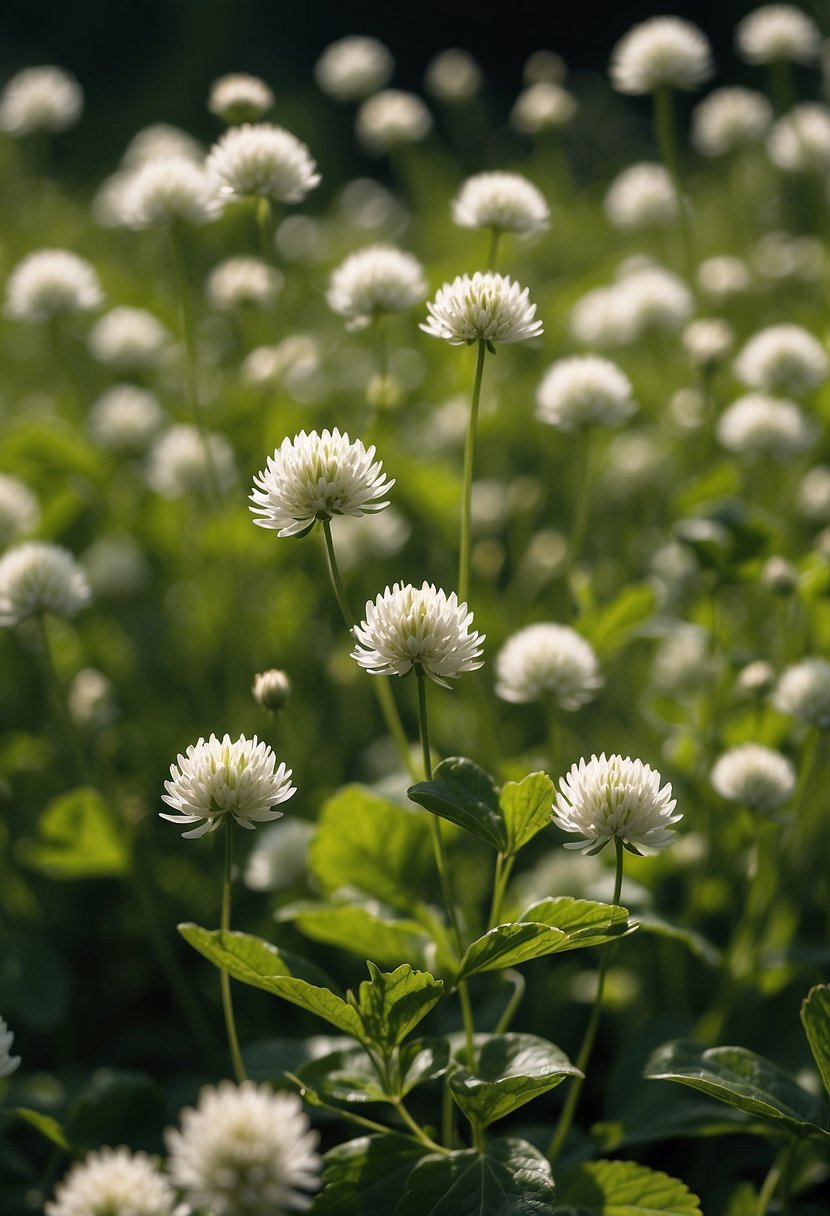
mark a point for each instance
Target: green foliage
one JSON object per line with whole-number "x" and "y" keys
{"x": 815, "y": 1017}
{"x": 526, "y": 808}
{"x": 367, "y": 1176}
{"x": 391, "y": 1005}
{"x": 360, "y": 929}
{"x": 583, "y": 923}
{"x": 511, "y": 1070}
{"x": 510, "y": 1178}
{"x": 47, "y": 1125}
{"x": 466, "y": 795}
{"x": 624, "y": 1188}
{"x": 77, "y": 838}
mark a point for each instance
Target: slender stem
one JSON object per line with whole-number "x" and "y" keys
{"x": 417, "y": 1130}
{"x": 569, "y": 1107}
{"x": 493, "y": 253}
{"x": 381, "y": 347}
{"x": 263, "y": 220}
{"x": 227, "y": 1002}
{"x": 336, "y": 580}
{"x": 664, "y": 124}
{"x": 504, "y": 867}
{"x": 466, "y": 504}
{"x": 519, "y": 984}
{"x": 582, "y": 495}
{"x": 59, "y": 698}
{"x": 783, "y": 91}
{"x": 314, "y": 1099}
{"x": 775, "y": 1175}
{"x": 447, "y": 1115}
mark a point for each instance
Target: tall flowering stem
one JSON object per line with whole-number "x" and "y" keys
{"x": 664, "y": 124}
{"x": 466, "y": 503}
{"x": 263, "y": 221}
{"x": 227, "y": 1001}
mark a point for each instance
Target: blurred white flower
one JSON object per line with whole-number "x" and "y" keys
{"x": 642, "y": 196}
{"x": 779, "y": 575}
{"x": 218, "y": 778}
{"x": 487, "y": 307}
{"x": 453, "y": 76}
{"x": 506, "y": 202}
{"x": 547, "y": 661}
{"x": 730, "y": 120}
{"x": 423, "y": 628}
{"x": 780, "y": 255}
{"x": 541, "y": 66}
{"x": 8, "y": 1062}
{"x": 643, "y": 298}
{"x": 271, "y": 689}
{"x": 243, "y": 282}
{"x": 38, "y": 577}
{"x": 584, "y": 390}
{"x": 813, "y": 499}
{"x": 683, "y": 662}
{"x": 778, "y": 33}
{"x": 391, "y": 119}
{"x": 782, "y": 359}
{"x": 279, "y": 856}
{"x": 129, "y": 340}
{"x": 756, "y": 678}
{"x": 375, "y": 281}
{"x": 803, "y": 690}
{"x": 800, "y": 141}
{"x": 125, "y": 418}
{"x": 662, "y": 52}
{"x": 708, "y": 340}
{"x": 43, "y": 99}
{"x": 757, "y": 425}
{"x": 239, "y": 97}
{"x": 178, "y": 463}
{"x": 51, "y": 283}
{"x": 722, "y": 277}
{"x": 115, "y": 566}
{"x": 19, "y": 510}
{"x": 168, "y": 190}
{"x": 115, "y": 1182}
{"x": 294, "y": 359}
{"x": 261, "y": 161}
{"x": 90, "y": 698}
{"x": 352, "y": 68}
{"x": 161, "y": 141}
{"x": 541, "y": 107}
{"x": 755, "y": 776}
{"x": 617, "y": 798}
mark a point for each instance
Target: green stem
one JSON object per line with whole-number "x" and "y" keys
{"x": 770, "y": 1183}
{"x": 569, "y": 1107}
{"x": 493, "y": 252}
{"x": 381, "y": 347}
{"x": 68, "y": 726}
{"x": 447, "y": 1115}
{"x": 314, "y": 1099}
{"x": 783, "y": 90}
{"x": 519, "y": 984}
{"x": 263, "y": 220}
{"x": 466, "y": 504}
{"x": 417, "y": 1131}
{"x": 227, "y": 1002}
{"x": 504, "y": 867}
{"x": 664, "y": 124}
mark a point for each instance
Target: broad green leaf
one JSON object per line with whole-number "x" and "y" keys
{"x": 366, "y": 1177}
{"x": 45, "y": 1124}
{"x": 466, "y": 795}
{"x": 586, "y": 922}
{"x": 510, "y": 1178}
{"x": 78, "y": 837}
{"x": 422, "y": 1060}
{"x": 609, "y": 627}
{"x": 347, "y": 1076}
{"x": 117, "y": 1108}
{"x": 392, "y": 1003}
{"x": 742, "y": 1079}
{"x": 256, "y": 962}
{"x": 371, "y": 845}
{"x": 511, "y": 1069}
{"x": 624, "y": 1188}
{"x": 359, "y": 928}
{"x": 815, "y": 1018}
{"x": 526, "y": 807}
{"x": 694, "y": 942}
{"x": 510, "y": 946}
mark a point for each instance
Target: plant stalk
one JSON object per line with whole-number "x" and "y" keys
{"x": 227, "y": 1001}
{"x": 467, "y": 492}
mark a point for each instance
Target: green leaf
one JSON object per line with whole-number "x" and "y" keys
{"x": 366, "y": 1177}
{"x": 815, "y": 1018}
{"x": 511, "y": 1069}
{"x": 347, "y": 1075}
{"x": 392, "y": 1003}
{"x": 466, "y": 795}
{"x": 510, "y": 946}
{"x": 526, "y": 807}
{"x": 257, "y": 962}
{"x": 624, "y": 1188}
{"x": 78, "y": 837}
{"x": 422, "y": 1060}
{"x": 359, "y": 928}
{"x": 586, "y": 922}
{"x": 371, "y": 845}
{"x": 45, "y": 1124}
{"x": 272, "y": 1059}
{"x": 694, "y": 942}
{"x": 510, "y": 1178}
{"x": 742, "y": 1079}
{"x": 609, "y": 627}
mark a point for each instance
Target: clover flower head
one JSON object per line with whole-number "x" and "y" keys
{"x": 813, "y": 495}
{"x": 453, "y": 76}
{"x": 803, "y": 690}
{"x": 243, "y": 282}
{"x": 353, "y": 67}
{"x": 584, "y": 390}
{"x": 161, "y": 141}
{"x": 547, "y": 661}
{"x": 51, "y": 283}
{"x": 723, "y": 277}
{"x": 778, "y": 33}
{"x": 617, "y": 798}
{"x": 799, "y": 142}
{"x": 392, "y": 119}
{"x": 708, "y": 340}
{"x": 662, "y": 52}
{"x": 37, "y": 577}
{"x": 543, "y": 106}
{"x": 290, "y": 362}
{"x": 19, "y": 510}
{"x": 487, "y": 307}
{"x": 44, "y": 99}
{"x": 125, "y": 418}
{"x": 782, "y": 358}
{"x": 755, "y": 776}
{"x": 129, "y": 340}
{"x": 178, "y": 466}
{"x": 272, "y": 689}
{"x": 641, "y": 196}
{"x": 113, "y": 1182}
{"x": 260, "y": 160}
{"x": 417, "y": 627}
{"x": 239, "y": 97}
{"x": 8, "y": 1062}
{"x": 505, "y": 202}
{"x": 758, "y": 425}
{"x": 374, "y": 281}
{"x": 169, "y": 190}
{"x": 729, "y": 120}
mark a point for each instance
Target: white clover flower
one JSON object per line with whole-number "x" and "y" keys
{"x": 778, "y": 33}
{"x": 800, "y": 141}
{"x": 374, "y": 281}
{"x": 314, "y": 477}
{"x": 161, "y": 141}
{"x": 243, "y": 282}
{"x": 662, "y": 52}
{"x": 722, "y": 277}
{"x": 505, "y": 202}
{"x": 757, "y": 425}
{"x": 708, "y": 340}
{"x": 125, "y": 418}
{"x": 129, "y": 340}
{"x": 45, "y": 99}
{"x": 239, "y": 97}
{"x": 19, "y": 510}
{"x": 487, "y": 307}
{"x": 683, "y": 663}
{"x": 416, "y": 627}
{"x": 453, "y": 76}
{"x": 730, "y": 120}
{"x": 642, "y": 196}
{"x": 168, "y": 190}
{"x": 616, "y": 797}
{"x": 8, "y": 1062}
{"x": 218, "y": 778}
{"x": 90, "y": 698}
{"x": 547, "y": 661}
{"x": 541, "y": 66}
{"x": 261, "y": 161}
{"x": 813, "y": 500}
{"x": 541, "y": 107}
{"x": 113, "y": 1182}
{"x": 391, "y": 119}
{"x": 291, "y": 361}
{"x": 601, "y": 318}
{"x": 584, "y": 390}
{"x": 755, "y": 776}
{"x": 38, "y": 577}
{"x": 803, "y": 690}
{"x": 782, "y": 358}
{"x": 352, "y": 68}
{"x": 271, "y": 689}
{"x": 657, "y": 299}
{"x": 178, "y": 464}
{"x": 51, "y": 283}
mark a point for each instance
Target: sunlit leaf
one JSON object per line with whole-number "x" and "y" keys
{"x": 511, "y": 1069}
{"x": 526, "y": 808}
{"x": 466, "y": 795}
{"x": 624, "y": 1188}
{"x": 510, "y": 1178}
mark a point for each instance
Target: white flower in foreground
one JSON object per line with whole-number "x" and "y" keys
{"x": 19, "y": 510}
{"x": 544, "y": 106}
{"x": 778, "y": 33}
{"x": 804, "y": 691}
{"x": 39, "y": 577}
{"x": 374, "y": 281}
{"x": 168, "y": 190}
{"x": 262, "y": 161}
{"x": 757, "y": 425}
{"x": 45, "y": 99}
{"x": 416, "y": 627}
{"x": 708, "y": 340}
{"x": 729, "y": 120}
{"x": 584, "y": 390}
{"x": 755, "y": 776}
{"x": 800, "y": 141}
{"x": 487, "y": 308}
{"x": 129, "y": 340}
{"x": 722, "y": 277}
{"x": 547, "y": 661}
{"x": 663, "y": 52}
{"x": 218, "y": 778}
{"x": 391, "y": 119}
{"x": 113, "y": 1182}
{"x": 352, "y": 68}
{"x": 782, "y": 358}
{"x": 314, "y": 477}
{"x": 51, "y": 283}
{"x": 616, "y": 797}
{"x": 506, "y": 202}
{"x": 178, "y": 463}
{"x": 240, "y": 97}
{"x": 243, "y": 282}
{"x": 8, "y": 1062}
{"x": 453, "y": 76}
{"x": 642, "y": 196}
